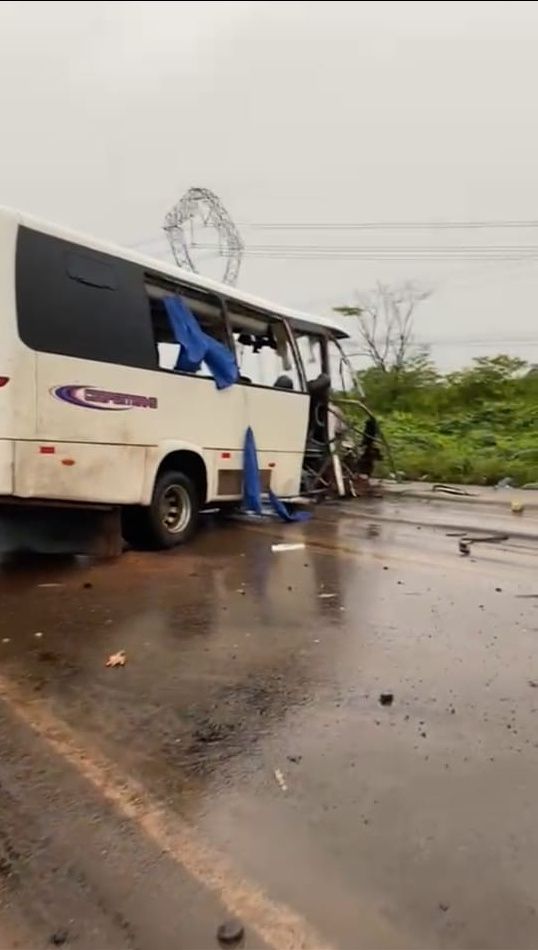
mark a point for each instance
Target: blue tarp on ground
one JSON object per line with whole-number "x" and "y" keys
{"x": 197, "y": 347}
{"x": 252, "y": 494}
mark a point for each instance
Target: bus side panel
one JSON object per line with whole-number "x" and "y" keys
{"x": 107, "y": 406}
{"x": 76, "y": 471}
{"x": 279, "y": 420}
{"x": 84, "y": 401}
{"x": 17, "y": 362}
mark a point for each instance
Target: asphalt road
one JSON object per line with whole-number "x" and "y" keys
{"x": 139, "y": 805}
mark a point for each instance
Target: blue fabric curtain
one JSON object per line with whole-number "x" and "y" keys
{"x": 252, "y": 496}
{"x": 196, "y": 347}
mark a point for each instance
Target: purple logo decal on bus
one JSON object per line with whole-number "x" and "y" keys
{"x": 90, "y": 397}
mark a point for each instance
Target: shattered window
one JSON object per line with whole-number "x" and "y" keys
{"x": 263, "y": 350}
{"x": 206, "y": 308}
{"x": 311, "y": 354}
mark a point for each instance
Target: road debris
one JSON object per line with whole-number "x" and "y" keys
{"x": 452, "y": 490}
{"x": 517, "y": 507}
{"x": 386, "y": 699}
{"x": 527, "y": 596}
{"x": 50, "y": 585}
{"x": 280, "y": 780}
{"x": 444, "y": 907}
{"x": 59, "y": 937}
{"x": 6, "y": 639}
{"x": 294, "y": 758}
{"x": 38, "y": 635}
{"x": 117, "y": 659}
{"x": 230, "y": 932}
{"x": 464, "y": 544}
{"x": 533, "y": 683}
{"x": 288, "y": 547}
{"x": 326, "y": 596}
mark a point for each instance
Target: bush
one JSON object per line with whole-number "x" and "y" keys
{"x": 478, "y": 425}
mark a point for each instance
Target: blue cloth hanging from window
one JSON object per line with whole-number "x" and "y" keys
{"x": 252, "y": 496}
{"x": 197, "y": 347}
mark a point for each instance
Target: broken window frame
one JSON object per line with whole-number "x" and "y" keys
{"x": 189, "y": 294}
{"x": 268, "y": 318}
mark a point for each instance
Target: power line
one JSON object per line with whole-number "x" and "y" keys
{"x": 390, "y": 225}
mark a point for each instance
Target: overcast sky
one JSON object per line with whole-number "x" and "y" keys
{"x": 291, "y": 112}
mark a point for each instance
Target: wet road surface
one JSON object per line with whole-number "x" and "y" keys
{"x": 139, "y": 806}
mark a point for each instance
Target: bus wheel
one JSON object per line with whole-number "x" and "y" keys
{"x": 171, "y": 517}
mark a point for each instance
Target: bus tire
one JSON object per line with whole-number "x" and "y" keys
{"x": 171, "y": 517}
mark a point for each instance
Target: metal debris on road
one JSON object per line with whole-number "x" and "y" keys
{"x": 280, "y": 780}
{"x": 288, "y": 547}
{"x": 505, "y": 483}
{"x": 117, "y": 659}
{"x": 230, "y": 932}
{"x": 464, "y": 544}
{"x": 452, "y": 490}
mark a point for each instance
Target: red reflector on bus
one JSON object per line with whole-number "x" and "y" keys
{"x": 4, "y": 380}
{"x": 225, "y": 455}
{"x": 47, "y": 449}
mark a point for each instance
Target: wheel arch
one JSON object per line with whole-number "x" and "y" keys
{"x": 182, "y": 458}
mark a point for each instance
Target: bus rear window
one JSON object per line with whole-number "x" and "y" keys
{"x": 81, "y": 303}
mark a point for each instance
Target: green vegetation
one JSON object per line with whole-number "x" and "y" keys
{"x": 477, "y": 425}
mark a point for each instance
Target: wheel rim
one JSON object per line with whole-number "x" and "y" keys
{"x": 175, "y": 509}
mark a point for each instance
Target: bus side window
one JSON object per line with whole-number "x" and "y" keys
{"x": 264, "y": 354}
{"x": 205, "y": 308}
{"x": 311, "y": 352}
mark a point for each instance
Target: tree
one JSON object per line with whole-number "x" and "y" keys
{"x": 384, "y": 321}
{"x": 489, "y": 377}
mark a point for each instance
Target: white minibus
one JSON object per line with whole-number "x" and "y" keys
{"x": 93, "y": 411}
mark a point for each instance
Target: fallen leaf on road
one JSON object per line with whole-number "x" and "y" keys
{"x": 117, "y": 659}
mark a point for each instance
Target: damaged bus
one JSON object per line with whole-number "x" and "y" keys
{"x": 127, "y": 386}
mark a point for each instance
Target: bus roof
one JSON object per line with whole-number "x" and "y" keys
{"x": 301, "y": 321}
